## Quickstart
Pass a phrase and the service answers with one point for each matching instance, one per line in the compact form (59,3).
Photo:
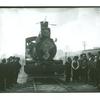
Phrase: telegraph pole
(84,45)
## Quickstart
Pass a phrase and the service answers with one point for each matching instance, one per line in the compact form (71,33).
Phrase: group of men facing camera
(84,68)
(9,69)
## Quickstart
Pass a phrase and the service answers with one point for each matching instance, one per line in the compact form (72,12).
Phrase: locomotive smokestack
(44,25)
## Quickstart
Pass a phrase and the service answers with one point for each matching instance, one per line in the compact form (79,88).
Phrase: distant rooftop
(96,48)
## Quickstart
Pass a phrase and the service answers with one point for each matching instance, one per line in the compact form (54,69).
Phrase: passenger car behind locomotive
(40,51)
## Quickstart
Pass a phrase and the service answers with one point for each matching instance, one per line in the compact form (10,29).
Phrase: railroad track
(49,85)
(64,85)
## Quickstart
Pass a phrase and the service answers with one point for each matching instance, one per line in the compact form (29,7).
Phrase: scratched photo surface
(49,50)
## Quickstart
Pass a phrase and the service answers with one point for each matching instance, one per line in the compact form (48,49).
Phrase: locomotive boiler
(40,53)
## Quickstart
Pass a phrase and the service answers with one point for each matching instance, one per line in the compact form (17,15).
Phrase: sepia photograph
(50,49)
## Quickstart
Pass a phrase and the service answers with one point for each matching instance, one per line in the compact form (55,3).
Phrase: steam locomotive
(40,53)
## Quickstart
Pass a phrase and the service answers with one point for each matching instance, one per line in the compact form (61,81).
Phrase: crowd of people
(84,68)
(9,69)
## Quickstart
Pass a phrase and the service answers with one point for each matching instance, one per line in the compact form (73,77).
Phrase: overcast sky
(73,26)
